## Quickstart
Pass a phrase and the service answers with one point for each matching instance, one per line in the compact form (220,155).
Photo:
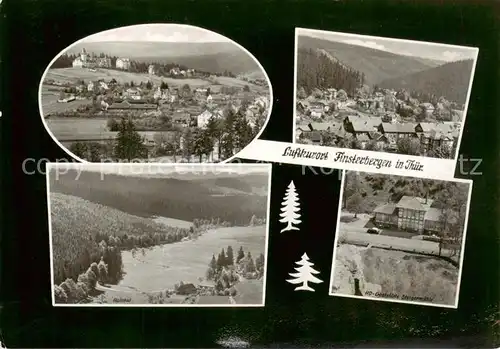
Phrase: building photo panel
(386,95)
(155,92)
(153,235)
(400,239)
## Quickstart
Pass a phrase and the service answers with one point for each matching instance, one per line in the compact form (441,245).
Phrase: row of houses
(413,214)
(386,135)
(85,60)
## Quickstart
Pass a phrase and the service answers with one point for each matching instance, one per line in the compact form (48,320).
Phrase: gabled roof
(410,202)
(362,126)
(385,209)
(319,126)
(398,128)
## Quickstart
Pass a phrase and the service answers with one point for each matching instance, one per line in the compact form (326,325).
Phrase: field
(161,267)
(84,129)
(73,75)
(50,104)
(399,273)
(72,127)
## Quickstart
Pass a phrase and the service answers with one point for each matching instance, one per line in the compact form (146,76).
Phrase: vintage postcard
(155,92)
(400,239)
(371,100)
(158,235)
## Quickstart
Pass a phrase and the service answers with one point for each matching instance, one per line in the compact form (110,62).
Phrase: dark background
(35,31)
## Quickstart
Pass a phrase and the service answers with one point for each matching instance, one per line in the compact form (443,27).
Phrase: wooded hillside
(317,70)
(167,197)
(450,80)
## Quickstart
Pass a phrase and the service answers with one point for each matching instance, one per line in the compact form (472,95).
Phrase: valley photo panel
(365,96)
(400,239)
(158,235)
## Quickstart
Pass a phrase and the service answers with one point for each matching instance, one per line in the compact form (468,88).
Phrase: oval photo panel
(155,92)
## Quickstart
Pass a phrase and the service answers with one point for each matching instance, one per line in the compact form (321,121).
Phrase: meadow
(50,104)
(161,267)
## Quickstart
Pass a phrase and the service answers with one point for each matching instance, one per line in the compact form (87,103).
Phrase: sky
(441,52)
(159,170)
(158,33)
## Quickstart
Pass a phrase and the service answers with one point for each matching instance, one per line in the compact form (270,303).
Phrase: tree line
(317,70)
(136,66)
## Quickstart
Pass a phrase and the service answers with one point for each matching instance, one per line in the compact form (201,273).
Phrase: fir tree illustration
(305,274)
(290,208)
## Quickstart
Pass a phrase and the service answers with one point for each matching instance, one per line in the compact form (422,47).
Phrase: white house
(202,119)
(123,63)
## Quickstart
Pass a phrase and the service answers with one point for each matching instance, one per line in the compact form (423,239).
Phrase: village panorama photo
(155,92)
(380,94)
(400,239)
(158,235)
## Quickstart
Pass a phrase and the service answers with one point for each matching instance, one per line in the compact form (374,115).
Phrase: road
(358,235)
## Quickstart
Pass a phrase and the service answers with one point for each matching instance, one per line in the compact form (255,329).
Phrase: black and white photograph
(158,235)
(155,92)
(400,239)
(379,94)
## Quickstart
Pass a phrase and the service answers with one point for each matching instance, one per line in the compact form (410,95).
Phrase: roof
(398,128)
(319,126)
(127,105)
(362,126)
(385,209)
(213,300)
(411,202)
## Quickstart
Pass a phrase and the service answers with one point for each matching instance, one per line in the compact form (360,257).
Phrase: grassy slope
(377,65)
(192,198)
(450,80)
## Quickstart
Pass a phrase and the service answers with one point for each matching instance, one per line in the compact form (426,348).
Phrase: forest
(155,196)
(450,80)
(317,70)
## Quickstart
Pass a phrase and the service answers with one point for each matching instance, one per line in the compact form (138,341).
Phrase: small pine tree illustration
(305,274)
(290,209)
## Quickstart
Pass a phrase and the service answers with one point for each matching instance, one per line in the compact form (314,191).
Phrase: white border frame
(451,163)
(166,25)
(392,300)
(73,165)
